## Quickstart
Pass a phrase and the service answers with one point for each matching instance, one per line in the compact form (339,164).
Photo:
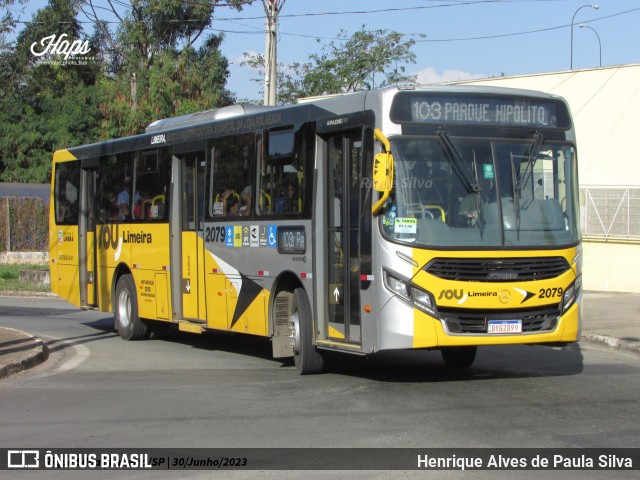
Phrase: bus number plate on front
(504,326)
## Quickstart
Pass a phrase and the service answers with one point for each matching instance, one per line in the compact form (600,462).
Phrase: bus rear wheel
(459,356)
(128,323)
(307,359)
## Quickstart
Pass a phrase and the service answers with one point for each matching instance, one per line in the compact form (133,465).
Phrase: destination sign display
(292,240)
(486,110)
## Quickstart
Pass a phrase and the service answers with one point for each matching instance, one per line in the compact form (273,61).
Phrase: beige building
(605,103)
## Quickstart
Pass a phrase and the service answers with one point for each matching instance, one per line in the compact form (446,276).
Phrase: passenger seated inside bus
(287,203)
(141,211)
(231,203)
(111,210)
(245,199)
(124,199)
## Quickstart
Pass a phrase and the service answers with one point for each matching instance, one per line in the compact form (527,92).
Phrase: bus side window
(152,184)
(66,193)
(229,182)
(282,172)
(115,175)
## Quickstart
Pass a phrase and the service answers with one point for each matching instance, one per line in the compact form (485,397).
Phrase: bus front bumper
(411,328)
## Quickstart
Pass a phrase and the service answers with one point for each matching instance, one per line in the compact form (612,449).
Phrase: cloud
(430,76)
(242,57)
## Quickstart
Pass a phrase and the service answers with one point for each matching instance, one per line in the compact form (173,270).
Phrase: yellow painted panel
(104,279)
(189,281)
(62,156)
(91,280)
(565,332)
(253,319)
(68,283)
(63,246)
(162,296)
(494,295)
(189,327)
(202,300)
(333,333)
(424,332)
(64,254)
(216,301)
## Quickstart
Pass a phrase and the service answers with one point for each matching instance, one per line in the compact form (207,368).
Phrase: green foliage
(173,85)
(171,76)
(10,278)
(27,140)
(7,20)
(47,103)
(349,65)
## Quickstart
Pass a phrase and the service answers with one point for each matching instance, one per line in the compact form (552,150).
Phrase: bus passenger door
(349,237)
(87,239)
(191,188)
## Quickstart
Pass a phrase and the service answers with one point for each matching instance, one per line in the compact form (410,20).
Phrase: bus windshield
(453,192)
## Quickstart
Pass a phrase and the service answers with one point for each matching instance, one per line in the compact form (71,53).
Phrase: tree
(351,65)
(154,47)
(49,103)
(7,22)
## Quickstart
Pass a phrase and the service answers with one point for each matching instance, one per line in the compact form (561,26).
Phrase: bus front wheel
(459,356)
(307,359)
(128,323)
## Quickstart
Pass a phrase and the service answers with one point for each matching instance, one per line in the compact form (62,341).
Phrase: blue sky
(465,38)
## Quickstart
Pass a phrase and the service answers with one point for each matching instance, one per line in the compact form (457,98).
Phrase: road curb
(38,353)
(613,342)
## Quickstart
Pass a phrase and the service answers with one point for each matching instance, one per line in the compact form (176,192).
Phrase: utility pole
(272,9)
(134,92)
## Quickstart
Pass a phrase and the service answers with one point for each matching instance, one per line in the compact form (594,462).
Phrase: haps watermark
(73,52)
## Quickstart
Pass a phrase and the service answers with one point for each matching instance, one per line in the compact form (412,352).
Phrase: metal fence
(24,224)
(610,213)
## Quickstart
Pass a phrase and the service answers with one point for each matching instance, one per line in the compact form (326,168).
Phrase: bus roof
(207,116)
(231,119)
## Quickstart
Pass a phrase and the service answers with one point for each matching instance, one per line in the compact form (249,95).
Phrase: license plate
(504,326)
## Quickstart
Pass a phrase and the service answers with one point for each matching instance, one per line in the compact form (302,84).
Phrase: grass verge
(10,279)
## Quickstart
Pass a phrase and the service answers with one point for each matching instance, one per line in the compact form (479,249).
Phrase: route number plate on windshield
(504,326)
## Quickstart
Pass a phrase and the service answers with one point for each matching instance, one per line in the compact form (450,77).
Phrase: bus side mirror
(382,172)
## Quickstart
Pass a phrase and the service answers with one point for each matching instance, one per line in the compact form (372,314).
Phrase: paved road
(225,391)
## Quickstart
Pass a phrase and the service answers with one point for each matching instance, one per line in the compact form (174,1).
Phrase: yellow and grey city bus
(401,218)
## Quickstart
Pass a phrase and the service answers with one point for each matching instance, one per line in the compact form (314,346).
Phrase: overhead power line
(528,32)
(254,30)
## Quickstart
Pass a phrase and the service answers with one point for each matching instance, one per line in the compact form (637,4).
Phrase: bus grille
(460,321)
(497,269)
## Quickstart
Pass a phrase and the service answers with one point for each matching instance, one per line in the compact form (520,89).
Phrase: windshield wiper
(454,156)
(470,183)
(478,195)
(532,156)
(516,188)
(519,181)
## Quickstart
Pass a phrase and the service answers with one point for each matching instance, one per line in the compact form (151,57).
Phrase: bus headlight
(397,286)
(571,293)
(419,298)
(423,300)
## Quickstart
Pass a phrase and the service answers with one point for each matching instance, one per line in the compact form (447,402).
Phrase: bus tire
(459,357)
(305,355)
(128,323)
(159,330)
